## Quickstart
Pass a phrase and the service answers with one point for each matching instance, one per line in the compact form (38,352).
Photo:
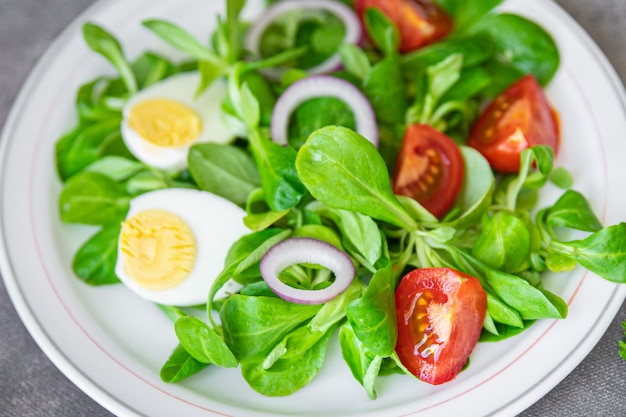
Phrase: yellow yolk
(159,249)
(165,122)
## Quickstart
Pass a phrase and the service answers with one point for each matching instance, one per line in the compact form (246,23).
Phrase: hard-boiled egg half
(163,120)
(173,244)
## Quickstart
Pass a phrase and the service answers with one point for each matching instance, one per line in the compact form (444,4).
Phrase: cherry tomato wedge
(419,22)
(440,315)
(518,118)
(429,169)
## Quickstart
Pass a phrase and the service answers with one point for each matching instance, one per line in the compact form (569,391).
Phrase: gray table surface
(30,385)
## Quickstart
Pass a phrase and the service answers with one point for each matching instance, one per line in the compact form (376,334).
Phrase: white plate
(112,344)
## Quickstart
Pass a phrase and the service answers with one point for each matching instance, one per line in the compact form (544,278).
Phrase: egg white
(216,224)
(182,88)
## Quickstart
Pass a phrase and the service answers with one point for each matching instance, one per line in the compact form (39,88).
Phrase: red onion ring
(323,86)
(354,30)
(295,251)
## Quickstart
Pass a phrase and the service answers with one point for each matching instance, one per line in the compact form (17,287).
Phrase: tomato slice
(429,169)
(440,315)
(419,22)
(520,117)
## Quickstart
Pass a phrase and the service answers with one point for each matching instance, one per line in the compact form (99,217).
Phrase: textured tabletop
(30,385)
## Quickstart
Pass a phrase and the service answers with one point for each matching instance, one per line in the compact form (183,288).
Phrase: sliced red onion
(295,251)
(354,30)
(323,86)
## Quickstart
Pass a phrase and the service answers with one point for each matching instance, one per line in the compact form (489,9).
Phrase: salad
(369,170)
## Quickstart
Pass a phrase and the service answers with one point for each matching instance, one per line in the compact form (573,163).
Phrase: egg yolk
(165,122)
(158,249)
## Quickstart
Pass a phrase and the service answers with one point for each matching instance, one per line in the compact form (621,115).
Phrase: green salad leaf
(343,158)
(104,43)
